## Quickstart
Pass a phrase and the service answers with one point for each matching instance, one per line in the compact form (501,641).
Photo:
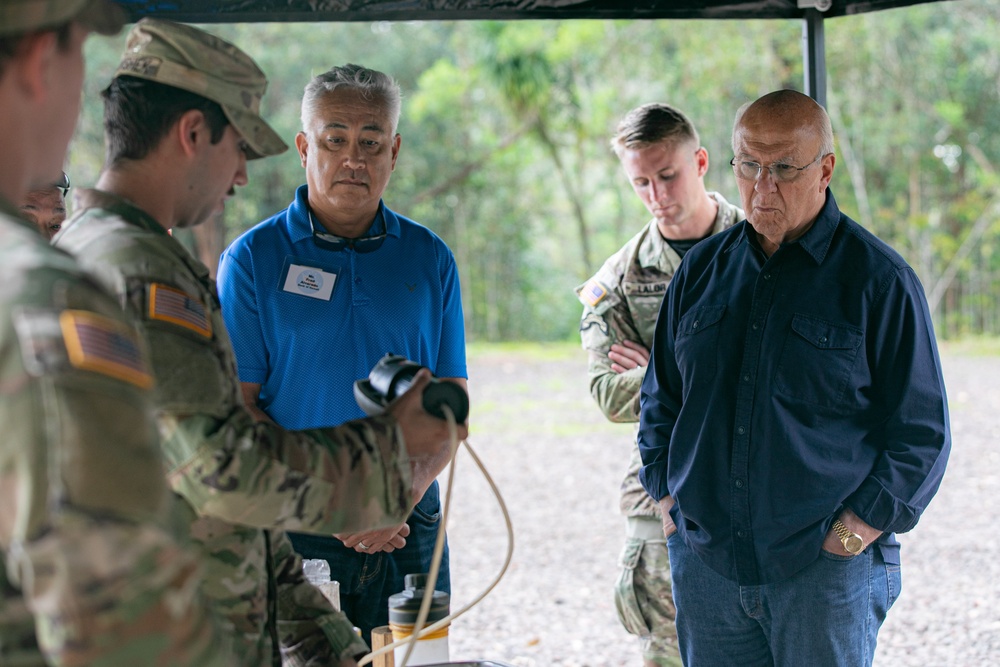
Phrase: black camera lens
(393,376)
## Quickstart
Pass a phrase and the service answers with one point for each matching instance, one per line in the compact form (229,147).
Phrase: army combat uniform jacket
(245,482)
(91,573)
(621,302)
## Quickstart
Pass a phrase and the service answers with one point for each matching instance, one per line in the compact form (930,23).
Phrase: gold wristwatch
(852,541)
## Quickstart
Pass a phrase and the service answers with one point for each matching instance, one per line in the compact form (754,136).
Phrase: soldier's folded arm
(616,394)
(605,321)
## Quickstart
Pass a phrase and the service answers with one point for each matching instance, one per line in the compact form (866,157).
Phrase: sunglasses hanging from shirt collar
(362,244)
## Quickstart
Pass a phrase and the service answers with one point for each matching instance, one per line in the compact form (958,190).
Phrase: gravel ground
(558,463)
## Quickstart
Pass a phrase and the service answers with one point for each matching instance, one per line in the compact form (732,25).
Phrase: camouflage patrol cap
(21,16)
(184,57)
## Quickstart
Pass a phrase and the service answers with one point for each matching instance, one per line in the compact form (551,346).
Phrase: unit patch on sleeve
(169,304)
(593,292)
(102,345)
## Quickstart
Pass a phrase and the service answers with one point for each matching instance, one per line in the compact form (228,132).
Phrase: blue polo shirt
(307,321)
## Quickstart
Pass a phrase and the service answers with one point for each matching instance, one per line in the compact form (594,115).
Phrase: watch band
(853,543)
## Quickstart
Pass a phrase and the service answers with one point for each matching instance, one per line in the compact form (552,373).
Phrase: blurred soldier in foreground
(663,158)
(46,206)
(181,120)
(90,575)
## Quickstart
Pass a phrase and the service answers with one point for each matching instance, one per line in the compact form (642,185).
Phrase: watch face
(854,544)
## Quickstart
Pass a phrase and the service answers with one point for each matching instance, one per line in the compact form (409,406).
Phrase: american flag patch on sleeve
(170,304)
(593,292)
(102,345)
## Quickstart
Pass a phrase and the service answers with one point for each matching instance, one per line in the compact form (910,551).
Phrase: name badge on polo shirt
(309,281)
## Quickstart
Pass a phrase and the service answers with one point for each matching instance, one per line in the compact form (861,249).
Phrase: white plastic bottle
(404,607)
(317,572)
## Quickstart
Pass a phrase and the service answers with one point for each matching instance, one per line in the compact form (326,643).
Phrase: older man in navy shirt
(793,417)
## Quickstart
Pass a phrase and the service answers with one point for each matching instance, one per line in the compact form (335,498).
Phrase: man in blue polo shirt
(314,296)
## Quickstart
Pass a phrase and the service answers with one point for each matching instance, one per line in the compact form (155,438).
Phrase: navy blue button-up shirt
(782,389)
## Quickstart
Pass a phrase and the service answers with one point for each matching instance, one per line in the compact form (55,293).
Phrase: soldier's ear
(701,158)
(192,132)
(31,66)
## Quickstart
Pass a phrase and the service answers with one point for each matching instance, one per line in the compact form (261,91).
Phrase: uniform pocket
(817,360)
(626,602)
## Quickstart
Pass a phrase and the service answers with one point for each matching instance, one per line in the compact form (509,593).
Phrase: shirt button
(767,276)
(695,325)
(755,325)
(741,534)
(741,430)
(739,483)
(746,378)
(822,339)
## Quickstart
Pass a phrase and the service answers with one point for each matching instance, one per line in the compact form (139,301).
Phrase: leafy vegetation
(505,132)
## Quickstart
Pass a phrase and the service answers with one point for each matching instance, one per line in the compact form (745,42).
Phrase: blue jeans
(367,580)
(827,615)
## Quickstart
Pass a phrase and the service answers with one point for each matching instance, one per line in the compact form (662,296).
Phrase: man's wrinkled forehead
(345,108)
(47,196)
(773,140)
(373,126)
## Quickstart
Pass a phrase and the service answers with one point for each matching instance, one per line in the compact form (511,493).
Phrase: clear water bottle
(403,610)
(317,573)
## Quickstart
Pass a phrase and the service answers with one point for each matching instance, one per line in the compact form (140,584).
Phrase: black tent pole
(814,54)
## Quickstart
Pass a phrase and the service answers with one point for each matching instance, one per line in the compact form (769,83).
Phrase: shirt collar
(86,198)
(817,239)
(131,214)
(656,252)
(300,227)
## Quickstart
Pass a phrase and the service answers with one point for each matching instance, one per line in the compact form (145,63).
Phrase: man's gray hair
(372,84)
(652,124)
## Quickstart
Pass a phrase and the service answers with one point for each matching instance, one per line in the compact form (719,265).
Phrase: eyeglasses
(364,244)
(780,172)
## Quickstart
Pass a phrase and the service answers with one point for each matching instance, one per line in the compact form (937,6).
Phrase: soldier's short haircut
(372,84)
(10,44)
(652,124)
(139,113)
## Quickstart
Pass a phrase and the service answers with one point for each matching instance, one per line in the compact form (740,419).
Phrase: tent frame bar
(814,55)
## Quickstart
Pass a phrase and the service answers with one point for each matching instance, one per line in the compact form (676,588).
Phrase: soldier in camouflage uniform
(91,572)
(661,154)
(181,117)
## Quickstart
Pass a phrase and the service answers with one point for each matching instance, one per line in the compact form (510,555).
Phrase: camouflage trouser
(643,594)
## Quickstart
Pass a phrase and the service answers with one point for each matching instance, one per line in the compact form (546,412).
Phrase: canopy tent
(246,11)
(812,13)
